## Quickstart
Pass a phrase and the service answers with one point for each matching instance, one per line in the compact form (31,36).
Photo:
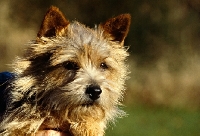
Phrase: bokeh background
(163,92)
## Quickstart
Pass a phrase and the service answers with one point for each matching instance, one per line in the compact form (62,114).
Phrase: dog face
(73,69)
(70,79)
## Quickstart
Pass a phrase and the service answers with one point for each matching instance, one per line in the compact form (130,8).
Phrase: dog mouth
(54,132)
(90,103)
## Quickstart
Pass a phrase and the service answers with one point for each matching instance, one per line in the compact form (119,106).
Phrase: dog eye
(103,65)
(69,65)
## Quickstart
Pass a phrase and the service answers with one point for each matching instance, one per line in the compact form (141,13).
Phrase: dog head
(73,69)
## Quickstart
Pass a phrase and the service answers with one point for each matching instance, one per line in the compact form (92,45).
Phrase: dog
(70,79)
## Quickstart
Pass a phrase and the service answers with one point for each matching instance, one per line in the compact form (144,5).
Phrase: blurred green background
(163,92)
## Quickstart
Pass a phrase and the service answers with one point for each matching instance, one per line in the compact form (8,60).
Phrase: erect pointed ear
(117,28)
(54,23)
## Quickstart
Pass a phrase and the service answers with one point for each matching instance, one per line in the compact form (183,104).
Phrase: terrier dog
(70,79)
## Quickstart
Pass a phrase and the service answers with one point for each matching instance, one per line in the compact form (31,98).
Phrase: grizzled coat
(49,90)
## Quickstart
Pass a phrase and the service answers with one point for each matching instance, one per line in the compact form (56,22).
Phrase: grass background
(157,121)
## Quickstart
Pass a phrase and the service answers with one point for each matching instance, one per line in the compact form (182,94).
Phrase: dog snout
(93,91)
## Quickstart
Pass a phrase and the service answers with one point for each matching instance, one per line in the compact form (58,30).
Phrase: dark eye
(103,65)
(70,65)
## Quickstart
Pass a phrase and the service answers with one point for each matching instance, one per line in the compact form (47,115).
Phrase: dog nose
(93,91)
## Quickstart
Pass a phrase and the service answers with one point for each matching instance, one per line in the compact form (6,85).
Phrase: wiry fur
(46,94)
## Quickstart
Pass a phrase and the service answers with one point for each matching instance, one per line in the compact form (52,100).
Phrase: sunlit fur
(44,94)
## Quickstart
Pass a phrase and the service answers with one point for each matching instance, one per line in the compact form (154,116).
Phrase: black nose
(93,92)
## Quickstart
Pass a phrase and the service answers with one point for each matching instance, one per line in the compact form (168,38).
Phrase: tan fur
(49,90)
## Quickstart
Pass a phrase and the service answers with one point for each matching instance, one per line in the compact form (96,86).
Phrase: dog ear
(117,28)
(54,23)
